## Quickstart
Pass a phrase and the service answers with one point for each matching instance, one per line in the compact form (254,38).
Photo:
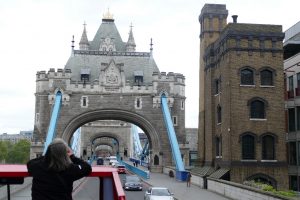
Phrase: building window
(247,77)
(174,118)
(248,147)
(298,152)
(292,153)
(182,104)
(257,109)
(217,86)
(138,80)
(298,117)
(37,118)
(219,114)
(291,83)
(218,147)
(291,119)
(85,75)
(266,77)
(293,183)
(268,149)
(84,101)
(138,103)
(138,77)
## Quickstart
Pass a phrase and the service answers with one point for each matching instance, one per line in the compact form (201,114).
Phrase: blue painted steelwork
(146,148)
(53,121)
(76,142)
(137,171)
(136,139)
(145,151)
(171,133)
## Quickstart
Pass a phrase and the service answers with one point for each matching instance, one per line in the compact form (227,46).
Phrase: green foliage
(18,153)
(269,188)
(289,193)
(3,151)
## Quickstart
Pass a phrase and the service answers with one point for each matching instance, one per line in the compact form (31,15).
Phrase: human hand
(69,151)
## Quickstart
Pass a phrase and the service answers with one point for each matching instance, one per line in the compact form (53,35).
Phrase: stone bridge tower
(106,79)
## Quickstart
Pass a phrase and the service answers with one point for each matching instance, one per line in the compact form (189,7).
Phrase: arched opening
(156,160)
(123,117)
(263,178)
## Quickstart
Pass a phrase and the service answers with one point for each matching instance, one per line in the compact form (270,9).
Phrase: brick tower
(241,123)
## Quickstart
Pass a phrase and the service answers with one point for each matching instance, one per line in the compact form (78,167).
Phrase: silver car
(158,193)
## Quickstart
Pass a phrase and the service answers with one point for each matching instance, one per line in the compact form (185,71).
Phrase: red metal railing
(14,171)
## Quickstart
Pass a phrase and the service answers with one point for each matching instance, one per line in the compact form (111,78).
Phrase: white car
(158,193)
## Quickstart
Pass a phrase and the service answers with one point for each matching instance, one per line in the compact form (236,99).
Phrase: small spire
(130,46)
(84,42)
(151,45)
(72,46)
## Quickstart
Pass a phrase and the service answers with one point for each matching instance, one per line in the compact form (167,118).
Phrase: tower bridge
(106,85)
(106,79)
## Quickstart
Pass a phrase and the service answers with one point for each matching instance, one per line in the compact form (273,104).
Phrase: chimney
(234,17)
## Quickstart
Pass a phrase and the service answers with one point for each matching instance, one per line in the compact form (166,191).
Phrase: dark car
(100,161)
(132,182)
(121,169)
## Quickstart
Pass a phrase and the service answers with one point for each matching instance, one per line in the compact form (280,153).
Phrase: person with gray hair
(54,174)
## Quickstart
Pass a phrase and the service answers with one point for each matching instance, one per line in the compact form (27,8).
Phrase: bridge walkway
(179,188)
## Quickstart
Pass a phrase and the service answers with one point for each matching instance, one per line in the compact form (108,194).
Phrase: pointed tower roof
(130,46)
(84,43)
(108,30)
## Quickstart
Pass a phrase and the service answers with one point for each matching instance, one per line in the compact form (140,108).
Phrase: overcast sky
(36,35)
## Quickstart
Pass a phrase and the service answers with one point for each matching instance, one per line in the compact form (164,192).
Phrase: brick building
(241,124)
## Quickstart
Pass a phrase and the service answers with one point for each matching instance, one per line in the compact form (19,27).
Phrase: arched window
(248,147)
(219,114)
(156,160)
(263,178)
(247,77)
(257,109)
(218,146)
(266,77)
(268,149)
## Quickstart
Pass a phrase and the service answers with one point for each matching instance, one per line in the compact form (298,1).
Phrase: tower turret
(212,21)
(130,46)
(84,43)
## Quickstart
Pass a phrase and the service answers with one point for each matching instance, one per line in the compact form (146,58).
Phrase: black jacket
(50,185)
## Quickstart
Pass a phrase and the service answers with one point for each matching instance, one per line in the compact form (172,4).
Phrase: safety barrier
(137,171)
(110,185)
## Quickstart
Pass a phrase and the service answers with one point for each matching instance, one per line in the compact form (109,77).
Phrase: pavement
(179,188)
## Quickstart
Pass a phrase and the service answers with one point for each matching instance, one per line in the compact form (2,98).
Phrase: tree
(19,153)
(3,151)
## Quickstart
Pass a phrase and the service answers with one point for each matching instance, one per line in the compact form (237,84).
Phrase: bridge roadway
(87,189)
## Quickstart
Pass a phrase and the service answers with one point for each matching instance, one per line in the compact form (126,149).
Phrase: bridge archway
(112,136)
(114,114)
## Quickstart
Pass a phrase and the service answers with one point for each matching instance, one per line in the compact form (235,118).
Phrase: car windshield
(160,192)
(132,179)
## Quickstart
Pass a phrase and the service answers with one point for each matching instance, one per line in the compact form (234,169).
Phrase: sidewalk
(179,188)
